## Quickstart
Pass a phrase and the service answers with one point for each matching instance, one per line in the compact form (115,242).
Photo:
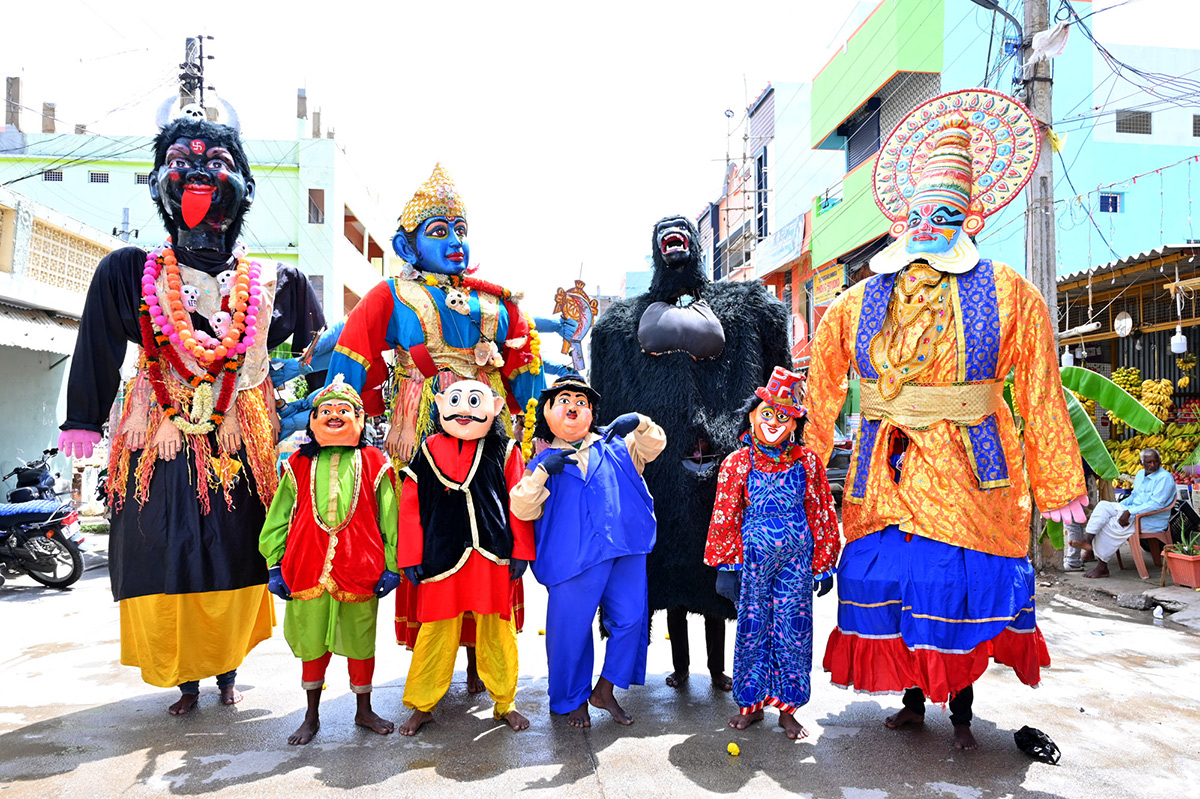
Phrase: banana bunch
(1156,396)
(1175,443)
(1184,381)
(1129,379)
(1089,405)
(1186,362)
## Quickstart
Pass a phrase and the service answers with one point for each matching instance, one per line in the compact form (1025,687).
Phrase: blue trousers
(618,586)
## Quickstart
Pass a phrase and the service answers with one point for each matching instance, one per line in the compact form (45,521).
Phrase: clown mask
(337,423)
(467,409)
(569,415)
(770,427)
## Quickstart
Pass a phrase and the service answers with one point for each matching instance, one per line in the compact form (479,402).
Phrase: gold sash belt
(919,407)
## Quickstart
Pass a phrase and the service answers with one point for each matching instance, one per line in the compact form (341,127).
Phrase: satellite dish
(1123,324)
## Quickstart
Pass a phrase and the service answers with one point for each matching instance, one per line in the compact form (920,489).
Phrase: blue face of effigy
(441,245)
(933,228)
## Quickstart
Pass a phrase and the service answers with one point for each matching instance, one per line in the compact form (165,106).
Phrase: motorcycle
(39,534)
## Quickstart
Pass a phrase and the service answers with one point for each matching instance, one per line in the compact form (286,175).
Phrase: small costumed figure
(462,550)
(935,579)
(192,460)
(330,540)
(442,325)
(774,541)
(595,525)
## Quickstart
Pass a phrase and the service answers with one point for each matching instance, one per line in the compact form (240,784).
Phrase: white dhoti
(1106,531)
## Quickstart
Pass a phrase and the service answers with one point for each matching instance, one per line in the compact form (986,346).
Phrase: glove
(516,568)
(557,460)
(1072,511)
(414,574)
(389,581)
(276,585)
(823,587)
(622,426)
(77,443)
(729,585)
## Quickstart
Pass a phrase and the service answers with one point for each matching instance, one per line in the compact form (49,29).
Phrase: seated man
(1112,522)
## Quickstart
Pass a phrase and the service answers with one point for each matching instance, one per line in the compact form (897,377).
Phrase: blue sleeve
(527,386)
(1158,491)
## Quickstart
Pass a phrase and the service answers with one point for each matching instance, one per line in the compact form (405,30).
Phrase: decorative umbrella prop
(575,304)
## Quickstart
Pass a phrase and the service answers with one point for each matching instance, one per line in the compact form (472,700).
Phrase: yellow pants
(437,647)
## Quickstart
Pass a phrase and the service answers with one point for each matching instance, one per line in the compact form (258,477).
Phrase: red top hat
(781,392)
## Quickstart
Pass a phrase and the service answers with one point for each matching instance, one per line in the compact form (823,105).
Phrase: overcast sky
(569,127)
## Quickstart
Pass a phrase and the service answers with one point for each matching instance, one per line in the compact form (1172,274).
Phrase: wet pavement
(1121,702)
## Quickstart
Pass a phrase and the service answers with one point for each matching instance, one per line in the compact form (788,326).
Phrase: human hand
(135,438)
(823,587)
(276,584)
(1072,511)
(168,440)
(389,581)
(229,434)
(77,443)
(401,442)
(556,461)
(622,426)
(516,568)
(413,574)
(1124,518)
(729,585)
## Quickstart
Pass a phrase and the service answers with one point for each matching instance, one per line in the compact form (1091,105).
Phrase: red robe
(480,586)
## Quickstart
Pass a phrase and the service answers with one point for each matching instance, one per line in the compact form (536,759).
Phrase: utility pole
(1040,266)
(123,232)
(191,79)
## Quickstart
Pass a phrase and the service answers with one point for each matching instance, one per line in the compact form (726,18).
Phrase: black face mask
(201,190)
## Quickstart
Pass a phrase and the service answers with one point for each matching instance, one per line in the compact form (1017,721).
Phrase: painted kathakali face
(337,423)
(467,409)
(934,227)
(199,186)
(769,426)
(569,415)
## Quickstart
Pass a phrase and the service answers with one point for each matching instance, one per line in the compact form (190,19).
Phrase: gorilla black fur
(223,135)
(696,402)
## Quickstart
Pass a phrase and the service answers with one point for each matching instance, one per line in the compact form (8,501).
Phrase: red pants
(361,671)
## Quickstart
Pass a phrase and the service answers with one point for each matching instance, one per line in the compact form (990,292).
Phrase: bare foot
(516,721)
(792,728)
(230,695)
(677,678)
(904,718)
(722,681)
(1084,545)
(1099,570)
(602,698)
(579,717)
(474,684)
(372,721)
(306,731)
(743,720)
(186,702)
(963,739)
(414,723)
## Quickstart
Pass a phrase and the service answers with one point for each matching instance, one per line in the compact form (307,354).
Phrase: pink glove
(1072,511)
(77,443)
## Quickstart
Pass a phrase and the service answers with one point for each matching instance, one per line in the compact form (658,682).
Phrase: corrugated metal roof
(1131,260)
(37,330)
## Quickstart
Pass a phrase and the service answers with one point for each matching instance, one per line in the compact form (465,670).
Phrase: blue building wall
(1155,209)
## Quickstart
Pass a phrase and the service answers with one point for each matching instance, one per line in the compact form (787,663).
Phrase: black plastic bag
(1037,744)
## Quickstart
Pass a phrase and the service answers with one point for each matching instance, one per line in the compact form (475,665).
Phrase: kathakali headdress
(967,153)
(436,197)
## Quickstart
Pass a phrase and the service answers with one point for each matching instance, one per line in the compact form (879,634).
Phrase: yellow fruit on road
(733,750)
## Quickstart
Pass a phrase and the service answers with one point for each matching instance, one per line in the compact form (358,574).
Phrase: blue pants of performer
(618,586)
(772,659)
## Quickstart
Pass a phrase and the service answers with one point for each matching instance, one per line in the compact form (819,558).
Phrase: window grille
(142,179)
(52,176)
(1110,202)
(1196,125)
(97,177)
(1134,122)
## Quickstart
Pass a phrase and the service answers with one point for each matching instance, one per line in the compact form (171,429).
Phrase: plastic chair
(1158,541)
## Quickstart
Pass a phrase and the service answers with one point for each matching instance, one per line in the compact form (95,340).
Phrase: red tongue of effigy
(196,202)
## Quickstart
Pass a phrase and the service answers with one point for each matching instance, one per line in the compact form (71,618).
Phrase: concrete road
(1121,701)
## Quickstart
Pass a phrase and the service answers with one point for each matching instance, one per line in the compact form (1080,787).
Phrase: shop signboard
(827,283)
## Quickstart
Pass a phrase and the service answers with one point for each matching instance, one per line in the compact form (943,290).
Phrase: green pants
(313,627)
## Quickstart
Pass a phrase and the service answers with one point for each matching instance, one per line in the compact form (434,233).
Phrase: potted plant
(1183,560)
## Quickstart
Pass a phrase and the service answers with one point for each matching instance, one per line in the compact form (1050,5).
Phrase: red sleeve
(821,514)
(725,530)
(516,357)
(410,547)
(364,339)
(514,470)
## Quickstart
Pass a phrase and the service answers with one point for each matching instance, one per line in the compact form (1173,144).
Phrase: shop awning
(37,330)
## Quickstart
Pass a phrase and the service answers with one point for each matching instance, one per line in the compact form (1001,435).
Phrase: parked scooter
(39,534)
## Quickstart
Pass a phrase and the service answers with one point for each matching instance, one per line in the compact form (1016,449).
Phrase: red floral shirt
(725,531)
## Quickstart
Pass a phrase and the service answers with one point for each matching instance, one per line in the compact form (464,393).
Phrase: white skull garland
(225,281)
(458,301)
(220,322)
(190,295)
(192,111)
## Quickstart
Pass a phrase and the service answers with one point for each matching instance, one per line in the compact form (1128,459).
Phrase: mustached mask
(467,409)
(337,418)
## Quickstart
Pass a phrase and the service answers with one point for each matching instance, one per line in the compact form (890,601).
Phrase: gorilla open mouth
(673,242)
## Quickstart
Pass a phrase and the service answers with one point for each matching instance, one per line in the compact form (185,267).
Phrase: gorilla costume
(687,353)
